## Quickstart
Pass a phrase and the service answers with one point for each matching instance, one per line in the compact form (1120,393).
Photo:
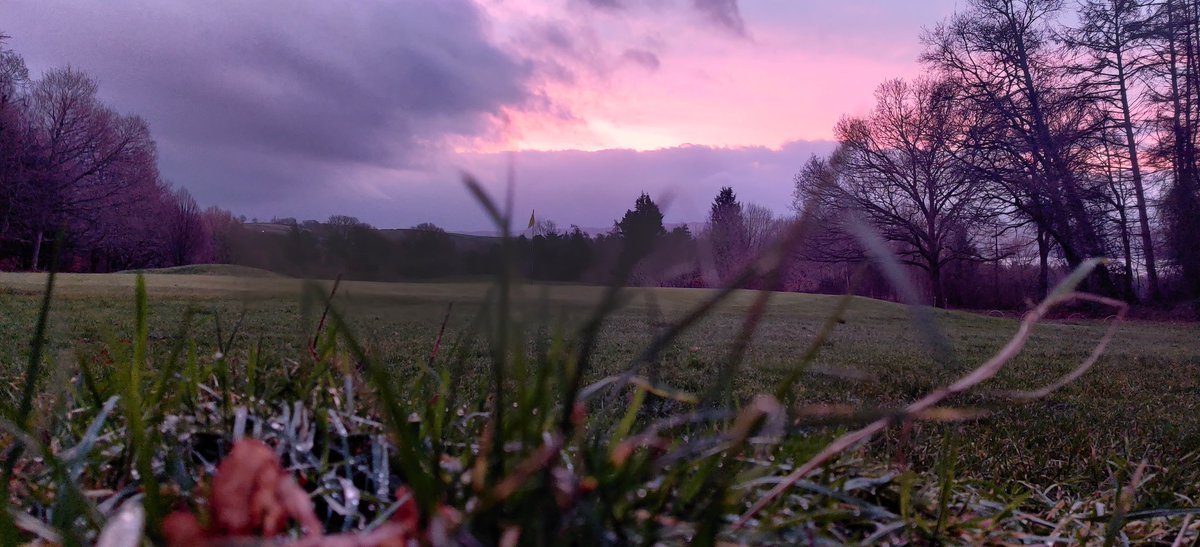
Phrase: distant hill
(230,270)
(268,227)
(462,242)
(593,231)
(471,240)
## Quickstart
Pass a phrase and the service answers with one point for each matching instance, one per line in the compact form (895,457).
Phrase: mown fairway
(1139,402)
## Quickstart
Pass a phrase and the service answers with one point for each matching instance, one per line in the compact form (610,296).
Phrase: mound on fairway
(210,269)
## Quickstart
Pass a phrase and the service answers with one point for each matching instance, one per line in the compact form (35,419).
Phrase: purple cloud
(642,57)
(251,85)
(592,189)
(724,13)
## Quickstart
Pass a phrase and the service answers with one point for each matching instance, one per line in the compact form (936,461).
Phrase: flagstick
(532,245)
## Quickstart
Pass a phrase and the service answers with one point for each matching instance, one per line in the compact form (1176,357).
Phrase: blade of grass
(1122,505)
(420,480)
(312,345)
(167,374)
(877,249)
(8,530)
(783,391)
(946,468)
(141,443)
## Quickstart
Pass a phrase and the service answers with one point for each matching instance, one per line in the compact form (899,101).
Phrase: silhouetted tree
(727,235)
(427,251)
(677,261)
(302,252)
(337,241)
(762,227)
(555,256)
(815,193)
(1112,35)
(1175,89)
(14,137)
(188,238)
(1028,123)
(640,229)
(899,170)
(369,255)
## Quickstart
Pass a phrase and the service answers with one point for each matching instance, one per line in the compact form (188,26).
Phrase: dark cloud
(606,4)
(282,83)
(724,13)
(642,57)
(557,36)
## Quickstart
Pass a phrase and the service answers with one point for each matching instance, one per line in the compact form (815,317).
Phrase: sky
(373,108)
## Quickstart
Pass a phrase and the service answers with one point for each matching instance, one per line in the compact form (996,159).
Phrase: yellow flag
(531,221)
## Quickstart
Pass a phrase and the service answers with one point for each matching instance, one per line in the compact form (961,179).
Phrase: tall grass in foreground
(534,450)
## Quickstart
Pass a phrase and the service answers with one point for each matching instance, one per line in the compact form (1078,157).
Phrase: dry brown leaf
(252,496)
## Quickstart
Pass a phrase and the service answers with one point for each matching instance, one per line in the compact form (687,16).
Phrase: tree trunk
(1043,264)
(1078,240)
(1181,79)
(5,223)
(935,283)
(996,271)
(37,250)
(1139,192)
(1127,284)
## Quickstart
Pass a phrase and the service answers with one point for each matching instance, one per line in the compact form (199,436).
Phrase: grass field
(1139,402)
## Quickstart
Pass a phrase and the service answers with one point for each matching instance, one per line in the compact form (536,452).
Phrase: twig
(312,346)
(437,344)
(1182,531)
(984,372)
(1083,367)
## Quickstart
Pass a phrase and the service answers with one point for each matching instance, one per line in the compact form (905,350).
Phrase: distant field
(1140,401)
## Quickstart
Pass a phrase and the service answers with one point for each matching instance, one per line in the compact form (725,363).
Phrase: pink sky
(791,76)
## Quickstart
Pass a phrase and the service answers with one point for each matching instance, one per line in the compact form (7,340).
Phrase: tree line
(1038,130)
(71,165)
(639,245)
(638,250)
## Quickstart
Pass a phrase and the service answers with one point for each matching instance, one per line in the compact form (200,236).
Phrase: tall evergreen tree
(727,233)
(640,229)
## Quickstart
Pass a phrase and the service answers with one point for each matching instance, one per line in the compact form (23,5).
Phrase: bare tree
(14,75)
(14,81)
(186,233)
(1175,89)
(762,227)
(1112,36)
(1031,123)
(91,157)
(898,170)
(816,193)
